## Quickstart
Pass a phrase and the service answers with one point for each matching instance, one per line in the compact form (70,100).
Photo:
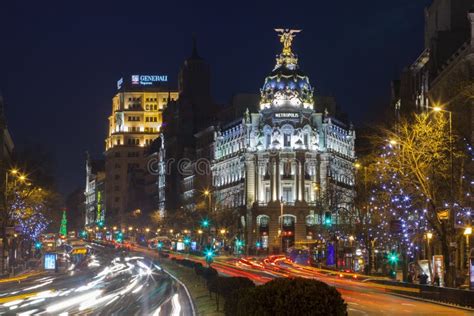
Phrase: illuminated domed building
(288,169)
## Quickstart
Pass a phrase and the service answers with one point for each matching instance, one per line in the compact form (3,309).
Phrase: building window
(117,199)
(117,177)
(305,140)
(268,195)
(116,188)
(117,155)
(287,140)
(268,140)
(287,194)
(117,166)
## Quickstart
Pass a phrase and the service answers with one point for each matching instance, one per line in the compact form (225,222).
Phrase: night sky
(59,61)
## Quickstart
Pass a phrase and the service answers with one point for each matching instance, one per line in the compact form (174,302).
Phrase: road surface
(362,298)
(109,282)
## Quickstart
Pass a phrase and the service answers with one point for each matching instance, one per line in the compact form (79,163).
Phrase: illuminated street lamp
(223,231)
(393,142)
(467,233)
(130,228)
(208,194)
(200,231)
(147,230)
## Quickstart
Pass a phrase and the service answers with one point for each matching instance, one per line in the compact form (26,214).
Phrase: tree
(419,181)
(287,297)
(63,228)
(24,209)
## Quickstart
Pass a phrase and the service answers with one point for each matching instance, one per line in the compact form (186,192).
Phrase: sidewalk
(21,277)
(196,286)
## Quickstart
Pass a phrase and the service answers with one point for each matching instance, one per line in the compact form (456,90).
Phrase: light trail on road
(110,282)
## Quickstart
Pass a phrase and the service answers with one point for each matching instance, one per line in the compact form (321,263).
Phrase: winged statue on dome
(286,38)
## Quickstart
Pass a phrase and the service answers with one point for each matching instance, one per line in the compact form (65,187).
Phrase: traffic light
(392,257)
(239,243)
(209,254)
(38,245)
(83,234)
(327,219)
(100,224)
(205,223)
(119,237)
(258,244)
(159,245)
(187,241)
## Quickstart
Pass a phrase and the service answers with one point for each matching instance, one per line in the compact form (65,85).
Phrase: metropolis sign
(146,80)
(287,115)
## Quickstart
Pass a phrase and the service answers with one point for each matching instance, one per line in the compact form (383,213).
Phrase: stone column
(297,179)
(278,179)
(302,175)
(323,176)
(300,226)
(272,179)
(250,180)
(257,180)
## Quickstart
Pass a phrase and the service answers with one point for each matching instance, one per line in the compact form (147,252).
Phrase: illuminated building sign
(147,80)
(287,115)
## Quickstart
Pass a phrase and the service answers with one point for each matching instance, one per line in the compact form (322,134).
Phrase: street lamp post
(451,219)
(373,255)
(467,233)
(209,195)
(429,236)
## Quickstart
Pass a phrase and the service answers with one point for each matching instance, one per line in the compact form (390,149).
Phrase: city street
(109,282)
(363,298)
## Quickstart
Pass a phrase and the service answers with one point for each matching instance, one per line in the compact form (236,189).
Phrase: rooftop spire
(194,54)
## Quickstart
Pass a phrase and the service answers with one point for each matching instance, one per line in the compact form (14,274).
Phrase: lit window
(287,140)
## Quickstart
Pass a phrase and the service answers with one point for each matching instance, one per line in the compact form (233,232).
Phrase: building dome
(286,85)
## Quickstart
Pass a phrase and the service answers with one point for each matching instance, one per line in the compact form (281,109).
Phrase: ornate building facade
(286,167)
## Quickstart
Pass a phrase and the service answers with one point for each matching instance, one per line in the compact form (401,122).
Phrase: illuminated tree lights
(412,185)
(403,222)
(26,210)
(63,228)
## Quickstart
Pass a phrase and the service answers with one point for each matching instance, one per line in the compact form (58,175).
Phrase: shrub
(209,273)
(287,297)
(226,286)
(199,270)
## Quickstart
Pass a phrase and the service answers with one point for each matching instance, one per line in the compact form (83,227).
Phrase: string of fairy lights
(28,216)
(398,223)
